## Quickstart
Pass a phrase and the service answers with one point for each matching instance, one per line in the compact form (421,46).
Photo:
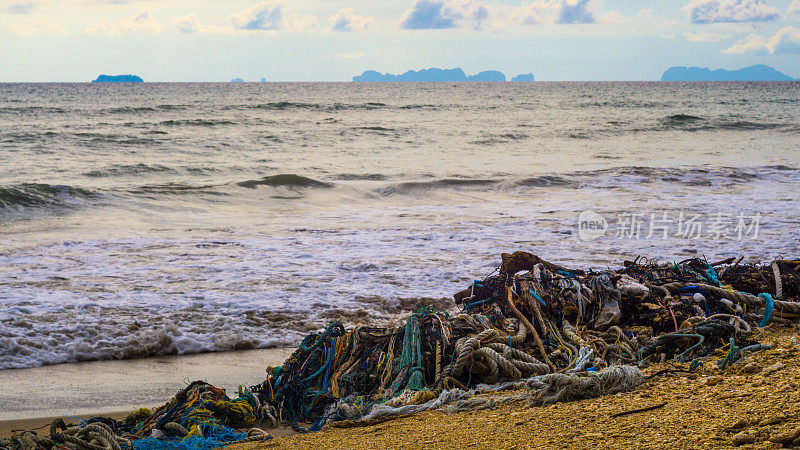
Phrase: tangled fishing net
(547,332)
(200,416)
(534,332)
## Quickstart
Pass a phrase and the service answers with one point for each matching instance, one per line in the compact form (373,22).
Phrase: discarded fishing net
(200,416)
(554,333)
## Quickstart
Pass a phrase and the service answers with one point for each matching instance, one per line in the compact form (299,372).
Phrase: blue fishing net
(191,443)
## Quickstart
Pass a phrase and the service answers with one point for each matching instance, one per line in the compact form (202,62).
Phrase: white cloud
(262,16)
(188,24)
(39,27)
(269,16)
(438,14)
(345,20)
(721,11)
(794,8)
(18,7)
(560,12)
(704,37)
(575,11)
(476,14)
(785,41)
(143,22)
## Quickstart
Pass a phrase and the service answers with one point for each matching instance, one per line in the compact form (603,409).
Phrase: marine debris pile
(540,331)
(553,333)
(200,416)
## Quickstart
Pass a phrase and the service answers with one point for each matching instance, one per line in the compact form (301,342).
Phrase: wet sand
(33,397)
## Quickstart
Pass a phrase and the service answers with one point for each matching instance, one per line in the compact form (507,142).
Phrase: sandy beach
(33,397)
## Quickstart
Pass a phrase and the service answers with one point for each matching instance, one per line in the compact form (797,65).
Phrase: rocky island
(757,72)
(118,79)
(434,74)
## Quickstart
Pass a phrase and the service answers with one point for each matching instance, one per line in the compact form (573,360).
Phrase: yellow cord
(569,352)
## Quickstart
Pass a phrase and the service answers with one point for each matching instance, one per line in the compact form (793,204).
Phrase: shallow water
(155,219)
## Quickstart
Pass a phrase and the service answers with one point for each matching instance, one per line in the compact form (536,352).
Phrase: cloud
(39,27)
(721,11)
(262,16)
(575,11)
(438,14)
(27,6)
(704,37)
(427,15)
(18,7)
(188,24)
(476,14)
(560,12)
(786,41)
(269,16)
(143,22)
(794,8)
(345,20)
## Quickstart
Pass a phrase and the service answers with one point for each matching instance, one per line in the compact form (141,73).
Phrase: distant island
(523,77)
(435,74)
(118,79)
(758,72)
(237,80)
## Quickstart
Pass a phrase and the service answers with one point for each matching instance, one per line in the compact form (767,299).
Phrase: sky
(332,40)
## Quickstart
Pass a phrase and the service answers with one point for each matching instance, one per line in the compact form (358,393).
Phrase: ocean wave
(196,122)
(686,122)
(176,189)
(375,128)
(625,104)
(284,105)
(360,177)
(39,195)
(624,176)
(413,187)
(285,180)
(92,332)
(32,110)
(117,139)
(545,180)
(682,119)
(499,138)
(117,170)
(142,109)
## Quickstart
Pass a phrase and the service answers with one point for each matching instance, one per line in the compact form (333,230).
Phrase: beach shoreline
(109,388)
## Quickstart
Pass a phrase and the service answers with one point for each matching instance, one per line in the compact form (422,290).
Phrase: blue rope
(769,304)
(712,275)
(537,297)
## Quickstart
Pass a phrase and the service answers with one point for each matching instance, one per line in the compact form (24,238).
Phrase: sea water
(161,219)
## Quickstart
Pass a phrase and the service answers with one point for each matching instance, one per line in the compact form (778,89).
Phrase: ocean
(165,219)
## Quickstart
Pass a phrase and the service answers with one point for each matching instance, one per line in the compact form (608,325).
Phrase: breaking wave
(686,122)
(38,194)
